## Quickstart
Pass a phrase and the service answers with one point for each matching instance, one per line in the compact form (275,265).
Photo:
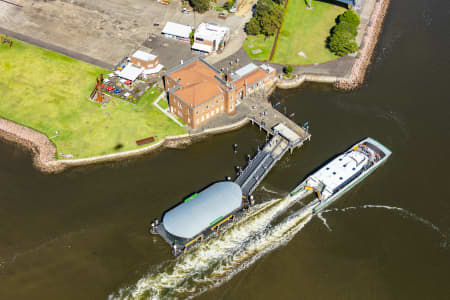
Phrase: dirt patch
(107,30)
(245,7)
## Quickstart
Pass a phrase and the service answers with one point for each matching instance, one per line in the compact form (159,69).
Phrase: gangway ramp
(260,165)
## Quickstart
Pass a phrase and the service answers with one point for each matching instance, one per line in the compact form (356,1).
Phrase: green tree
(253,26)
(200,5)
(342,43)
(351,17)
(191,37)
(267,18)
(288,69)
(345,27)
(228,5)
(263,7)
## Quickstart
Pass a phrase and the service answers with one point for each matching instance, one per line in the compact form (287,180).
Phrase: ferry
(343,172)
(200,215)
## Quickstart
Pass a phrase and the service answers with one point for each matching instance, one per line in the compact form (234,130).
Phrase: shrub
(191,37)
(228,5)
(345,27)
(288,69)
(267,18)
(200,5)
(253,27)
(342,43)
(350,17)
(342,38)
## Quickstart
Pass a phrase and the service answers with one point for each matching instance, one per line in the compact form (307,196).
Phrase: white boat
(343,172)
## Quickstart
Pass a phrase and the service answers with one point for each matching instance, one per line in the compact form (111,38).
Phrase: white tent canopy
(130,72)
(177,30)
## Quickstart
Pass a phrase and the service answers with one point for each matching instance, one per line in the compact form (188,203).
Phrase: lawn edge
(44,152)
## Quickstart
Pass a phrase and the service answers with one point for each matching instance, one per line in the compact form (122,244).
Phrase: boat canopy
(203,210)
(340,169)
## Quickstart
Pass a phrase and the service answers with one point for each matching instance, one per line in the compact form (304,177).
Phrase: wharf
(284,135)
(267,118)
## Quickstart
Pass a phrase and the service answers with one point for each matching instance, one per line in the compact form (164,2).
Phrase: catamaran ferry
(343,172)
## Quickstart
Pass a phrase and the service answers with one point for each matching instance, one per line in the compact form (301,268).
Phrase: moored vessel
(344,171)
(201,215)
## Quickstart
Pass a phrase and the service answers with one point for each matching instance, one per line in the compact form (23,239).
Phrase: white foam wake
(219,259)
(403,211)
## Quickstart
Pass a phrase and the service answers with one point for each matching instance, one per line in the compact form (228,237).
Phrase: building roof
(176,29)
(247,69)
(144,56)
(130,72)
(211,31)
(197,213)
(202,47)
(197,82)
(154,70)
(251,78)
(267,68)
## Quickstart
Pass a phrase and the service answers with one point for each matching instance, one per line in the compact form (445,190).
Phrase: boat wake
(217,260)
(444,238)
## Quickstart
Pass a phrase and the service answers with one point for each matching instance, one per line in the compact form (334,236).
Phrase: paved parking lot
(106,30)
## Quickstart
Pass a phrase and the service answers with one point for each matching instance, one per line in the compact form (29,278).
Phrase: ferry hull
(323,203)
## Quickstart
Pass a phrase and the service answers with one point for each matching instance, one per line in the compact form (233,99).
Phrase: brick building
(144,59)
(198,92)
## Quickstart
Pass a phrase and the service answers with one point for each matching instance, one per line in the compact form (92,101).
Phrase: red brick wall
(145,64)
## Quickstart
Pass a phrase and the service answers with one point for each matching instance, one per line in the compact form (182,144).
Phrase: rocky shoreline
(44,151)
(369,41)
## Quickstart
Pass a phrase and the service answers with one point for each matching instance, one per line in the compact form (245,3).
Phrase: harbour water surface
(83,234)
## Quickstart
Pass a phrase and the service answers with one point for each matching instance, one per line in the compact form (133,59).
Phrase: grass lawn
(163,103)
(259,42)
(306,30)
(47,91)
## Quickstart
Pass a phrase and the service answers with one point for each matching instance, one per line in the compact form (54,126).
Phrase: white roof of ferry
(340,169)
(191,217)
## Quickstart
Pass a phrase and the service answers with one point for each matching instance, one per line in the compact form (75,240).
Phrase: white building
(210,37)
(177,31)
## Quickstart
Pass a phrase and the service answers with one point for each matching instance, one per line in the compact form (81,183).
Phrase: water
(83,234)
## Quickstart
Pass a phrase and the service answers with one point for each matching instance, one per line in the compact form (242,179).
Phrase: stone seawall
(369,41)
(44,151)
(299,79)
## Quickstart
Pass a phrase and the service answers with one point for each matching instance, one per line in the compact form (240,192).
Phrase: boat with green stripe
(200,215)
